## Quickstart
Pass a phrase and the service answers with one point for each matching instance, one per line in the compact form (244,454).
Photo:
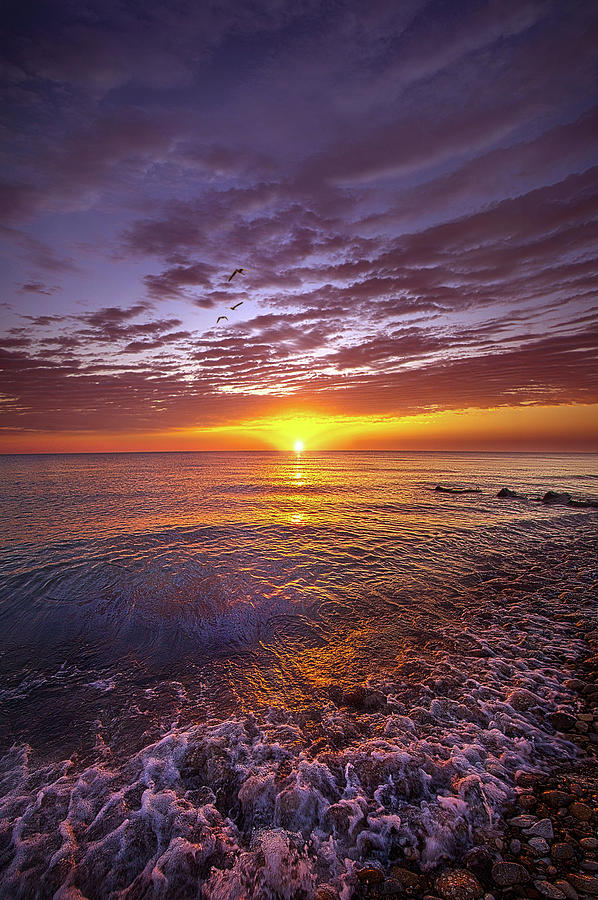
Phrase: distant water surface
(267,624)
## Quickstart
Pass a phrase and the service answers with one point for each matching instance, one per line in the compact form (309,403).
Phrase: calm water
(311,656)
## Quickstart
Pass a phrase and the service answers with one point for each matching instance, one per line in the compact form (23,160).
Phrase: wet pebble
(527,779)
(585,884)
(370,875)
(567,890)
(478,860)
(542,829)
(581,811)
(549,890)
(523,821)
(589,843)
(539,846)
(509,873)
(562,852)
(326,892)
(556,799)
(459,885)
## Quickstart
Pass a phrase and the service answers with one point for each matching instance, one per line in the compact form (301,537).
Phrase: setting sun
(298,446)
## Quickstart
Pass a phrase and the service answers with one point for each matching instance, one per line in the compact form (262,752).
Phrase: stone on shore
(585,884)
(557,799)
(459,885)
(589,843)
(542,829)
(509,873)
(549,890)
(539,845)
(562,852)
(581,811)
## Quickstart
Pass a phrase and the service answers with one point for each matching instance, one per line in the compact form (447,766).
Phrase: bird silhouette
(236,272)
(237,305)
(221,317)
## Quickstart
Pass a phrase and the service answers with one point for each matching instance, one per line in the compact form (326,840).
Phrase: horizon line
(294,452)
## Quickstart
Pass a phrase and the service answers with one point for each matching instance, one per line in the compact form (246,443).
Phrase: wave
(159,605)
(418,762)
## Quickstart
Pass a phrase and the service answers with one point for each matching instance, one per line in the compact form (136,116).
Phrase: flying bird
(221,317)
(236,272)
(236,306)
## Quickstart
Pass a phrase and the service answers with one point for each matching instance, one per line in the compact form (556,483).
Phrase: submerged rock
(507,492)
(411,882)
(457,490)
(589,843)
(370,875)
(478,859)
(555,497)
(326,892)
(562,721)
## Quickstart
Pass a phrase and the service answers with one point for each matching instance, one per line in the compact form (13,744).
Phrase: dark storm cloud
(412,188)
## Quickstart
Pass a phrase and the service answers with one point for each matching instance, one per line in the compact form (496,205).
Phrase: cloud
(37,252)
(37,287)
(172,282)
(170,338)
(114,316)
(42,321)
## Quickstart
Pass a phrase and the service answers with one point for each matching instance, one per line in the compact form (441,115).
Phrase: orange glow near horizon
(551,428)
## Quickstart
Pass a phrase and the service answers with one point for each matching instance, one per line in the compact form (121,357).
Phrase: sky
(411,188)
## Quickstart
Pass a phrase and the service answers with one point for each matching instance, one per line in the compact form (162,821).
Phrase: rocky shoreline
(549,845)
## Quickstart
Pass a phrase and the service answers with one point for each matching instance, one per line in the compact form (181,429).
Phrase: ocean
(234,675)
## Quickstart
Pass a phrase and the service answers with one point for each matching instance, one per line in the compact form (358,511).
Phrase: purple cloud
(412,189)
